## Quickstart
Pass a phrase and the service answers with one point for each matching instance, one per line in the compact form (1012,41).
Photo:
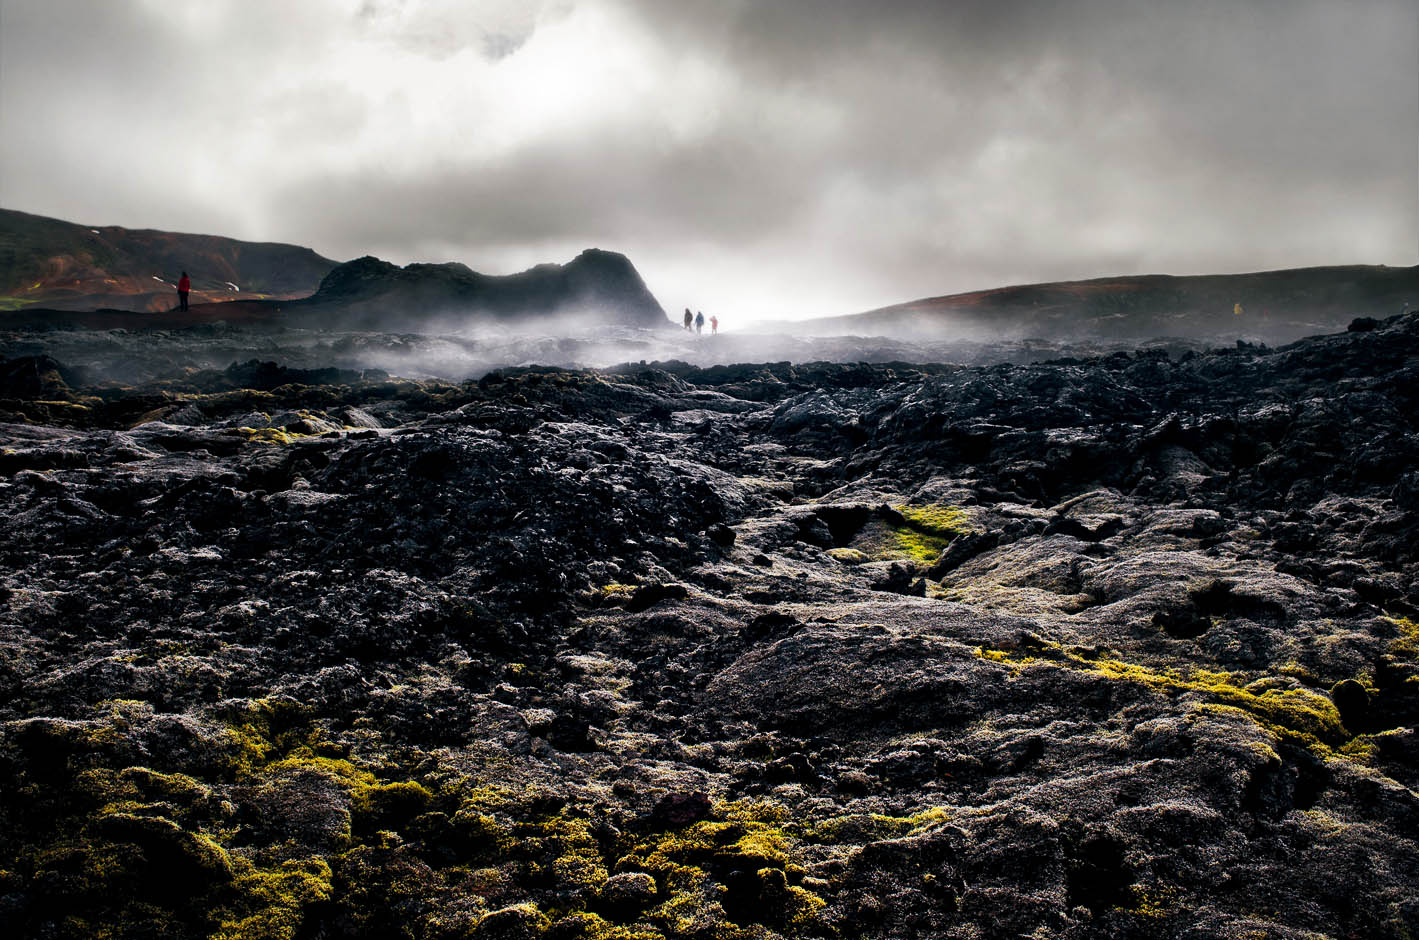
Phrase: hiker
(183,286)
(714,326)
(688,318)
(700,322)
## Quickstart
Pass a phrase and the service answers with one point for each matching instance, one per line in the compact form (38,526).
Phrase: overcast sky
(754,158)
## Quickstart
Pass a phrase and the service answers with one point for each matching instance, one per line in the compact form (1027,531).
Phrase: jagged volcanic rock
(1120,646)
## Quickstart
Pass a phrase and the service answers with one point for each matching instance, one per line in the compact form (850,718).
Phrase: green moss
(1302,716)
(126,873)
(689,864)
(519,920)
(140,851)
(147,851)
(389,805)
(857,828)
(271,435)
(563,848)
(1298,672)
(945,521)
(929,529)
(752,811)
(272,901)
(481,835)
(584,925)
(154,786)
(1408,642)
(356,779)
(265,731)
(913,533)
(1150,904)
(385,890)
(1361,749)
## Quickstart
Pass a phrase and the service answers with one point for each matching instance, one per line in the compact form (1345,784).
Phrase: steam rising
(132,358)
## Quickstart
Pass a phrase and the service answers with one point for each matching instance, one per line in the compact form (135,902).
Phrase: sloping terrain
(1112,647)
(63,266)
(1276,307)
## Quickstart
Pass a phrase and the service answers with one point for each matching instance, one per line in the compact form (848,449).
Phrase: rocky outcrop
(596,287)
(1110,647)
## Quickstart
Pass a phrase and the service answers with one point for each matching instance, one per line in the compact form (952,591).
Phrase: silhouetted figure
(700,322)
(714,326)
(183,286)
(689,318)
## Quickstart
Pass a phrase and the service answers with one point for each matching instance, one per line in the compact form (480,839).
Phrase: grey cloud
(496,29)
(871,152)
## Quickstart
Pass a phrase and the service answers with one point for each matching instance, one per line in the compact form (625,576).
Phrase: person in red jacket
(183,286)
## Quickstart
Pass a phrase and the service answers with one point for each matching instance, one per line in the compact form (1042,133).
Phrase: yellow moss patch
(741,836)
(856,828)
(921,535)
(585,925)
(271,435)
(1360,749)
(1299,673)
(493,796)
(946,521)
(1408,642)
(1014,661)
(1150,903)
(615,592)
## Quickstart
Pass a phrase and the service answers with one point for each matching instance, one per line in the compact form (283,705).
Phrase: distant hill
(63,266)
(1277,306)
(367,293)
(54,272)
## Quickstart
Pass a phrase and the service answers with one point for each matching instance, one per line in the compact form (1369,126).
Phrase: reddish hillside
(62,266)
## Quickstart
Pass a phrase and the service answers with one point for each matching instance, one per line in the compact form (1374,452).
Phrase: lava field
(1111,646)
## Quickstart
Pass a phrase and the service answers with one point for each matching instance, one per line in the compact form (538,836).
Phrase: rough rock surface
(1109,647)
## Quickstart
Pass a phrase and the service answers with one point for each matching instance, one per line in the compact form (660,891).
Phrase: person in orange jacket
(183,286)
